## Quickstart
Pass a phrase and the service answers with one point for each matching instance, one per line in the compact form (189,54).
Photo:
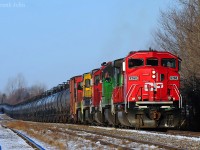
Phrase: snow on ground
(10,141)
(78,140)
(152,133)
(121,142)
(42,144)
(71,142)
(163,135)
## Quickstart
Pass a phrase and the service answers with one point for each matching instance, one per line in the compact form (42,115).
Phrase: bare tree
(37,89)
(16,89)
(179,33)
(17,82)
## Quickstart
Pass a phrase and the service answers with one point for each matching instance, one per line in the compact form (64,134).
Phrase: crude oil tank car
(140,90)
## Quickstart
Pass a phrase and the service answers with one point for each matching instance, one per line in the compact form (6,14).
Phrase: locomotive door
(108,82)
(118,93)
(87,89)
(97,90)
(162,82)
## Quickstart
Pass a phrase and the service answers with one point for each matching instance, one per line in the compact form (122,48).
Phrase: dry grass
(58,135)
(38,131)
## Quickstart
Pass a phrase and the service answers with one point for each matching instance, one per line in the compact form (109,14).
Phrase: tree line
(17,90)
(179,32)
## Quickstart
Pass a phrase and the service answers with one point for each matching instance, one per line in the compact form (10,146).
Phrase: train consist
(140,90)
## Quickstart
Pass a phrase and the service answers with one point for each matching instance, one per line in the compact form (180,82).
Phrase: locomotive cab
(87,96)
(152,77)
(76,97)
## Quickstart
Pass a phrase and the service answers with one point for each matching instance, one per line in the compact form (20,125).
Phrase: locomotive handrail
(118,89)
(129,96)
(117,93)
(139,91)
(179,95)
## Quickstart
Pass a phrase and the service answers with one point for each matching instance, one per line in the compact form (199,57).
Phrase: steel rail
(160,145)
(31,142)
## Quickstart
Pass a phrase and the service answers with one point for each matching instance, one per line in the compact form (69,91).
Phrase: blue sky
(49,41)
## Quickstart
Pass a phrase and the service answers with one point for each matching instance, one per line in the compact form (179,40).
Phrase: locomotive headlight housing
(153,76)
(139,98)
(169,98)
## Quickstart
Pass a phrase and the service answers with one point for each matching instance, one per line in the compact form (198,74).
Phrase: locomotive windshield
(152,62)
(87,83)
(79,87)
(168,62)
(135,63)
(96,79)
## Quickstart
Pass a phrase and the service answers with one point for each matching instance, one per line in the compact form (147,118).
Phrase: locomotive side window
(80,86)
(87,83)
(97,79)
(152,62)
(108,73)
(135,63)
(168,62)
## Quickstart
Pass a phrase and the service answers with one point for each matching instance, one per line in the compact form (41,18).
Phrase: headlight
(139,98)
(169,98)
(153,72)
(153,76)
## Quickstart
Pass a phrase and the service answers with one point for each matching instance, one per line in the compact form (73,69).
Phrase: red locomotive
(140,90)
(151,90)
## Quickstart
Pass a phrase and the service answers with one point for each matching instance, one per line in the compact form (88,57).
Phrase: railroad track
(95,138)
(184,133)
(108,138)
(100,137)
(28,140)
(161,140)
(130,139)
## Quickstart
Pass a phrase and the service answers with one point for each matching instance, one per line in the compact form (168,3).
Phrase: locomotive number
(173,78)
(133,78)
